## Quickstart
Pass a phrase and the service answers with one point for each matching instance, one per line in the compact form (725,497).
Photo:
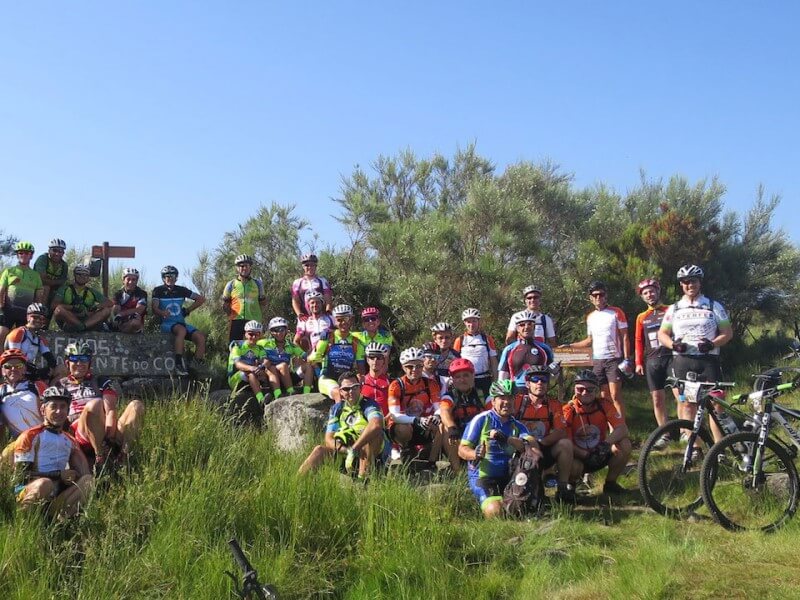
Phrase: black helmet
(597,285)
(169,270)
(587,376)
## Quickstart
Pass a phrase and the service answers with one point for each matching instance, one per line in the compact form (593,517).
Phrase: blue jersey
(346,416)
(171,300)
(495,463)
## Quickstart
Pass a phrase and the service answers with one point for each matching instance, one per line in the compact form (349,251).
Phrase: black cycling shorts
(14,317)
(706,366)
(419,435)
(656,371)
(607,370)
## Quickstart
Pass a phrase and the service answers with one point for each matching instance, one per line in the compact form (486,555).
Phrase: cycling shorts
(656,371)
(236,330)
(706,366)
(170,328)
(83,442)
(606,370)
(548,460)
(419,435)
(598,467)
(486,489)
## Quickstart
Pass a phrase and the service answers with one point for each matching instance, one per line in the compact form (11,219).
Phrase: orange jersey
(647,325)
(418,399)
(588,427)
(540,419)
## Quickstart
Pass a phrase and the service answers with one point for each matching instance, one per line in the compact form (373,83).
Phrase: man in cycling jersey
(339,353)
(442,333)
(373,331)
(652,358)
(543,330)
(53,269)
(310,281)
(248,365)
(50,469)
(413,408)
(607,335)
(130,304)
(478,347)
(598,433)
(79,307)
(29,340)
(288,358)
(243,298)
(19,287)
(522,353)
(376,381)
(430,364)
(168,305)
(695,328)
(20,398)
(315,326)
(354,431)
(489,442)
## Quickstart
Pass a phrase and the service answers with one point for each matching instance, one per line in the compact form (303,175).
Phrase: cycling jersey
(692,322)
(587,427)
(539,418)
(244,297)
(478,349)
(44,449)
(124,300)
(604,327)
(377,390)
(443,363)
(279,356)
(495,462)
(80,301)
(338,355)
(20,407)
(317,328)
(543,327)
(171,299)
(464,405)
(518,356)
(34,346)
(409,400)
(301,285)
(21,286)
(647,325)
(53,270)
(382,336)
(343,415)
(248,354)
(84,391)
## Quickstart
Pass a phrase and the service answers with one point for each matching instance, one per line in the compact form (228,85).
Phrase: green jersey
(21,286)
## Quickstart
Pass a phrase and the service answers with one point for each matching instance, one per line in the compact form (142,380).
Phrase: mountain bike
(777,375)
(749,479)
(671,458)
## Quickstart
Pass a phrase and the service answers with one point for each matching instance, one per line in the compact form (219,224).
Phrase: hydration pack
(524,493)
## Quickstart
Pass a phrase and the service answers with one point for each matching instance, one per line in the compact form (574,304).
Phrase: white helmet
(81,270)
(375,348)
(313,295)
(342,310)
(530,289)
(130,272)
(687,271)
(57,243)
(254,326)
(523,316)
(410,355)
(441,327)
(470,313)
(276,322)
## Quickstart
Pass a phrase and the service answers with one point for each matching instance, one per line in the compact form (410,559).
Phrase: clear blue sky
(164,124)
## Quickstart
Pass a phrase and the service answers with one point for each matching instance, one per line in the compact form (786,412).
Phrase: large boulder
(295,420)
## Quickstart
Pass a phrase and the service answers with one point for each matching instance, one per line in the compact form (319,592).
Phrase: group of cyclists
(459,395)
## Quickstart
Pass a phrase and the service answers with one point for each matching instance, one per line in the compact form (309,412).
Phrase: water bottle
(727,423)
(551,481)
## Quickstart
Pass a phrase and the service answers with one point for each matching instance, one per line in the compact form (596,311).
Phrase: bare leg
(92,424)
(315,459)
(69,501)
(130,423)
(615,392)
(199,339)
(621,451)
(562,452)
(37,491)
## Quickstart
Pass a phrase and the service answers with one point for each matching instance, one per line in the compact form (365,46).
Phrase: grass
(161,532)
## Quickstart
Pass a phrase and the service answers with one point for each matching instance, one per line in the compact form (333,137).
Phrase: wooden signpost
(105,252)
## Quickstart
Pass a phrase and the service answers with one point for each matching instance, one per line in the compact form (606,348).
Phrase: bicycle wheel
(737,502)
(669,486)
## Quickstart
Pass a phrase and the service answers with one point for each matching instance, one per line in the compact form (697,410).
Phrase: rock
(149,387)
(219,398)
(297,420)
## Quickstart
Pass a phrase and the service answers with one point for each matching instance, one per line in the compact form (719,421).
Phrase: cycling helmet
(130,272)
(376,348)
(470,313)
(254,326)
(597,286)
(309,258)
(441,327)
(461,364)
(370,311)
(534,370)
(276,322)
(646,283)
(169,270)
(687,271)
(37,308)
(587,376)
(411,355)
(55,392)
(524,316)
(24,247)
(13,354)
(81,270)
(83,349)
(430,349)
(504,387)
(530,289)
(342,310)
(58,243)
(313,295)
(243,259)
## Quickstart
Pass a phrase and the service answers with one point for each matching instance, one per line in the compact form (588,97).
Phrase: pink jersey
(316,328)
(302,285)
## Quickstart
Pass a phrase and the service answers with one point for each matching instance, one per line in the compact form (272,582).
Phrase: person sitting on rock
(288,358)
(130,304)
(78,307)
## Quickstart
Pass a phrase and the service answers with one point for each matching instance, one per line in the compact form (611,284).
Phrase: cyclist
(130,304)
(19,286)
(522,353)
(430,364)
(544,330)
(310,281)
(78,307)
(695,328)
(544,419)
(29,340)
(373,330)
(354,429)
(168,305)
(413,407)
(339,353)
(285,355)
(477,346)
(652,358)
(93,411)
(316,325)
(20,398)
(243,298)
(50,469)
(376,381)
(53,269)
(598,433)
(607,335)
(248,364)
(443,337)
(489,442)
(462,401)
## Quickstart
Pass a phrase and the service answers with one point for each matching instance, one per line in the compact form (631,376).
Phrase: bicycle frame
(772,411)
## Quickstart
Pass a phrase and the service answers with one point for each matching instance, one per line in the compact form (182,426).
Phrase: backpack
(524,493)
(402,385)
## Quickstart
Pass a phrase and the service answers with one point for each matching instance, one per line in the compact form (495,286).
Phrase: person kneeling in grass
(355,430)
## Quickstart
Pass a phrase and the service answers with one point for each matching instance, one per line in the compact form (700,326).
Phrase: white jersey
(604,327)
(543,327)
(20,407)
(691,322)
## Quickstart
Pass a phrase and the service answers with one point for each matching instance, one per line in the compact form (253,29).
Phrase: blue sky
(163,125)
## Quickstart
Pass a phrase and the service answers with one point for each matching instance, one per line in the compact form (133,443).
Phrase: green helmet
(502,388)
(24,247)
(83,349)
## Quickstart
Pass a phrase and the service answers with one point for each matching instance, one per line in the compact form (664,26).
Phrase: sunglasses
(533,297)
(278,329)
(538,378)
(56,251)
(13,365)
(349,388)
(414,367)
(369,319)
(252,333)
(79,358)
(376,357)
(342,319)
(597,294)
(584,390)
(690,281)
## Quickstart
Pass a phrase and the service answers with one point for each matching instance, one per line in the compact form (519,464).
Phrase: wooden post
(105,269)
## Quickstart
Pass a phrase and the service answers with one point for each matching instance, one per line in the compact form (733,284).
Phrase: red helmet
(370,311)
(461,364)
(646,283)
(13,354)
